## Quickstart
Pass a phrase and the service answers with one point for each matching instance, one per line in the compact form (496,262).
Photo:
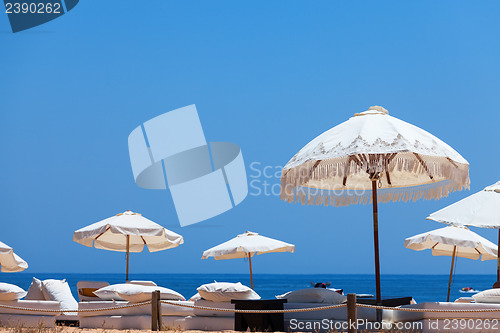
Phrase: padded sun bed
(205,324)
(452,321)
(129,322)
(26,318)
(138,317)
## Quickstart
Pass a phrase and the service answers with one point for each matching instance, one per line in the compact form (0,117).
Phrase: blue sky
(267,75)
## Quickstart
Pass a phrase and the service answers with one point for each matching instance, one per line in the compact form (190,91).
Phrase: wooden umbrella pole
(250,262)
(375,241)
(451,272)
(497,284)
(128,253)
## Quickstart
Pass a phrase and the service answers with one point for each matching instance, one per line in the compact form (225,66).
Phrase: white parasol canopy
(246,246)
(373,157)
(481,209)
(373,141)
(127,232)
(443,241)
(10,261)
(454,242)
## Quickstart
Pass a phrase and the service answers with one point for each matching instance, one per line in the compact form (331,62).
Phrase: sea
(423,288)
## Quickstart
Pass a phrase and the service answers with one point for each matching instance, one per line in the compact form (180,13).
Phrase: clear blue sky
(267,75)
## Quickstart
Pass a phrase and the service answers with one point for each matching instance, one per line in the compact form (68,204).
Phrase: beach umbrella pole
(128,253)
(250,263)
(451,272)
(375,239)
(497,284)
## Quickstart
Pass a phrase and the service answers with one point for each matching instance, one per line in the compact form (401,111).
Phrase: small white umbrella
(10,261)
(481,209)
(246,246)
(127,232)
(455,242)
(373,157)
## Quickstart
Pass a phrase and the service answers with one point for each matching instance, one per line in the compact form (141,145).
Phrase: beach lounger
(27,318)
(137,317)
(450,321)
(86,290)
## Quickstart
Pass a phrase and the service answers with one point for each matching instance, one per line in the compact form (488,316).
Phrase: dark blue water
(423,288)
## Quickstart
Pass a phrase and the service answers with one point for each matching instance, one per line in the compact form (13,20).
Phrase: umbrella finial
(379,109)
(375,109)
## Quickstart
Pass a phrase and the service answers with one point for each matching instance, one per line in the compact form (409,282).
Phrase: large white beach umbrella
(127,232)
(373,155)
(10,261)
(455,242)
(481,209)
(246,246)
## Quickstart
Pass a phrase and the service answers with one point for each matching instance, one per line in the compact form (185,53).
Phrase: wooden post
(154,311)
(250,262)
(158,300)
(451,272)
(351,313)
(375,240)
(128,252)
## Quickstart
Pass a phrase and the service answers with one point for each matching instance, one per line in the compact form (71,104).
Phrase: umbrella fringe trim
(293,188)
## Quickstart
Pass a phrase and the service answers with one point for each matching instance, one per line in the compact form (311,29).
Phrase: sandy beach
(78,330)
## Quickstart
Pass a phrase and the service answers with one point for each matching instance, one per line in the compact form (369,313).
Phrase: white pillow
(195,297)
(10,292)
(226,291)
(35,292)
(138,293)
(143,283)
(59,291)
(108,293)
(488,296)
(313,295)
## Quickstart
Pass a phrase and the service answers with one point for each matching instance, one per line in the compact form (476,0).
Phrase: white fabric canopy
(111,234)
(370,142)
(10,261)
(453,241)
(245,245)
(443,241)
(481,209)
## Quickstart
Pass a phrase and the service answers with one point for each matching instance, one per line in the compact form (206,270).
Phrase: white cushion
(136,293)
(109,293)
(35,292)
(142,310)
(313,295)
(58,290)
(195,297)
(226,291)
(10,292)
(213,313)
(19,306)
(488,296)
(143,283)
